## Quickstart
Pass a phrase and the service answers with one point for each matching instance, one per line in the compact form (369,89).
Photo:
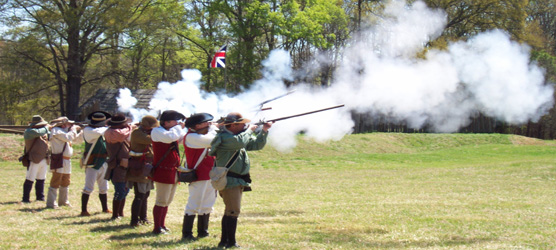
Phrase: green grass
(370,191)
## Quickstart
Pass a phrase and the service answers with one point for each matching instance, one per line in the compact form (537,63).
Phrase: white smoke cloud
(489,73)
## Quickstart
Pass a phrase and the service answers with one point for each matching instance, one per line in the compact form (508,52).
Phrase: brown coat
(116,152)
(140,142)
(39,151)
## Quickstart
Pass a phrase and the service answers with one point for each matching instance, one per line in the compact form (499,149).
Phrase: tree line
(54,54)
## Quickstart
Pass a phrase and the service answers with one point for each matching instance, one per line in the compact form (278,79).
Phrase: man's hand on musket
(266,126)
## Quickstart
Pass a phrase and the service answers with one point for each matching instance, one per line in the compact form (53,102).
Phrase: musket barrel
(302,114)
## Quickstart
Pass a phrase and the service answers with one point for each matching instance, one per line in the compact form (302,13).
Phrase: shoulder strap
(200,158)
(232,160)
(90,149)
(165,154)
(32,144)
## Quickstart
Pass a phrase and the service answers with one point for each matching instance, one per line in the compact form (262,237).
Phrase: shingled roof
(105,100)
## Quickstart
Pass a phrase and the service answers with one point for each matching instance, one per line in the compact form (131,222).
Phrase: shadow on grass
(32,210)
(109,227)
(10,202)
(155,241)
(87,222)
(158,244)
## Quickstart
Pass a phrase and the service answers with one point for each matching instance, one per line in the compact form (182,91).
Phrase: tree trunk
(74,68)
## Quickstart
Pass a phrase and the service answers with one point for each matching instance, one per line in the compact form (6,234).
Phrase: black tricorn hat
(98,118)
(198,118)
(171,115)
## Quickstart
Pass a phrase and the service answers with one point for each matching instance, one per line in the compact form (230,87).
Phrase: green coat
(225,144)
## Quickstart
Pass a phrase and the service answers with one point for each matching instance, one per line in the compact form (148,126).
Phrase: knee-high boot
(115,209)
(104,202)
(51,198)
(187,229)
(84,201)
(157,216)
(224,236)
(63,198)
(143,212)
(202,225)
(121,208)
(231,228)
(39,190)
(136,208)
(163,219)
(27,186)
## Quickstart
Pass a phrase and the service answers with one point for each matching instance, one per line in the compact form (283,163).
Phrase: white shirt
(91,135)
(61,136)
(194,140)
(175,133)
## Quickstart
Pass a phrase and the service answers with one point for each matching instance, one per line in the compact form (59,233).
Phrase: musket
(260,105)
(297,115)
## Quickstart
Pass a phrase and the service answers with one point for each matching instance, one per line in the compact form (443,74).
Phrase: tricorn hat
(117,120)
(235,117)
(98,118)
(171,115)
(37,120)
(149,121)
(60,121)
(198,118)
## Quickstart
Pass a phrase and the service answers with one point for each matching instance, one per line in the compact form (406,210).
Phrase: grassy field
(370,191)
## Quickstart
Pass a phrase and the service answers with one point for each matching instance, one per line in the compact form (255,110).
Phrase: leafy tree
(72,32)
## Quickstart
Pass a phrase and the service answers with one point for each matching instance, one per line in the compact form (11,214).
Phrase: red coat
(166,171)
(192,156)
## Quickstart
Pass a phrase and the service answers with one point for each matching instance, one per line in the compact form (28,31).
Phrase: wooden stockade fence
(12,129)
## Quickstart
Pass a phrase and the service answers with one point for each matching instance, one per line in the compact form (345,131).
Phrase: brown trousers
(232,200)
(58,180)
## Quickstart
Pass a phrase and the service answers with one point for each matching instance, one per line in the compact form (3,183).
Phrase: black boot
(27,186)
(187,229)
(115,209)
(231,228)
(39,190)
(202,225)
(84,201)
(104,202)
(143,211)
(224,237)
(135,209)
(121,208)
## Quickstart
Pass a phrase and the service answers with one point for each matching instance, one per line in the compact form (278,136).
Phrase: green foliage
(72,48)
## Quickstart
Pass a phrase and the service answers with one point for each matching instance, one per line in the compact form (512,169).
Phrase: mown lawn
(370,191)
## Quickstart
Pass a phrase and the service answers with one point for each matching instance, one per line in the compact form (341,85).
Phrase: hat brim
(97,123)
(244,120)
(38,124)
(112,123)
(106,114)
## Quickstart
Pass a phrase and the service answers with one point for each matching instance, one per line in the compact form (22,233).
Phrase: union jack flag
(219,59)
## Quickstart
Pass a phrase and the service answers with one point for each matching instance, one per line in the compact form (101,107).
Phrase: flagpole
(226,68)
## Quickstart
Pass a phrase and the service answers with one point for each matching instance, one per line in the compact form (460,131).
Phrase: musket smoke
(489,73)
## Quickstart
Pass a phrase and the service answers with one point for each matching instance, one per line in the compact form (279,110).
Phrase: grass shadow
(92,221)
(10,202)
(32,210)
(109,228)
